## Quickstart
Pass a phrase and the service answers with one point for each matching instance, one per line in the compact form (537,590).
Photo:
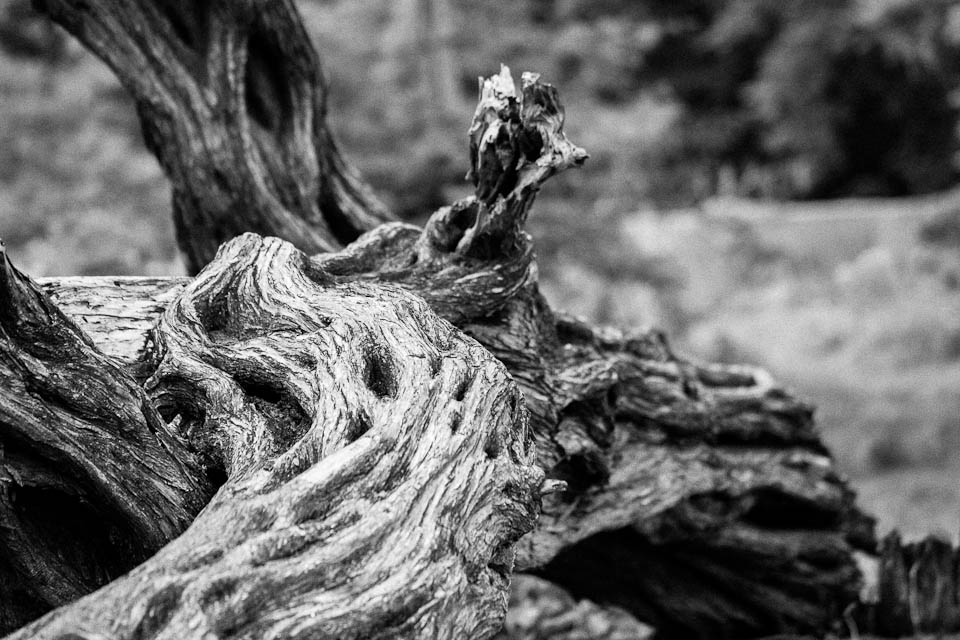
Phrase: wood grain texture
(232,101)
(91,480)
(699,498)
(375,461)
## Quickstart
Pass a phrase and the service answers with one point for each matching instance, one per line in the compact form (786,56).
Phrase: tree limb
(375,463)
(91,480)
(232,101)
(709,482)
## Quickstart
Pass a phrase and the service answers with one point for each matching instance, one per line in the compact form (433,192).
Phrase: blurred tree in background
(801,99)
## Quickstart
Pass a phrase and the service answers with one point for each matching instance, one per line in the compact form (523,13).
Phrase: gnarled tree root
(698,498)
(374,463)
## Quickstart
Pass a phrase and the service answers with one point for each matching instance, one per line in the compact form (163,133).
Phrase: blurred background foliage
(771,181)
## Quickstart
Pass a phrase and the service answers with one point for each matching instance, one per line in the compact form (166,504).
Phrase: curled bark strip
(232,101)
(376,464)
(91,480)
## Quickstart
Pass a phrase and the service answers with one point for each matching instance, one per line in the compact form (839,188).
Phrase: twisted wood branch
(699,498)
(374,464)
(232,101)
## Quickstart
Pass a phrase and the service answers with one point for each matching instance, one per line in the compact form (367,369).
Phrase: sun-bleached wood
(376,465)
(698,498)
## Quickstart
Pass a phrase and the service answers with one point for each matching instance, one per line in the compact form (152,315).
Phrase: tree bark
(698,498)
(232,101)
(373,467)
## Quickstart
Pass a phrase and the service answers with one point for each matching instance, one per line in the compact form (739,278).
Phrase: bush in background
(807,99)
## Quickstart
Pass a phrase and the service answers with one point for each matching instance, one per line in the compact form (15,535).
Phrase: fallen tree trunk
(373,467)
(687,485)
(699,498)
(373,461)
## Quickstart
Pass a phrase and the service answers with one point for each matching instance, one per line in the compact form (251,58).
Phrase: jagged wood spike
(916,589)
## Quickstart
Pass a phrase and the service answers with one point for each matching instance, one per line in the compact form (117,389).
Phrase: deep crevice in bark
(267,98)
(672,468)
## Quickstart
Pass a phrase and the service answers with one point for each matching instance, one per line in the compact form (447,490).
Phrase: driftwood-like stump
(357,443)
(359,436)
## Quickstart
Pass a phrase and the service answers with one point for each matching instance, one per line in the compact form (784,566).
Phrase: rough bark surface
(699,498)
(91,480)
(232,101)
(374,465)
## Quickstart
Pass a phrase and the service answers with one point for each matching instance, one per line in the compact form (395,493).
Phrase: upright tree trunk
(380,425)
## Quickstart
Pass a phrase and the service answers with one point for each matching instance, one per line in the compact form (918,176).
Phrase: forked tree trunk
(374,431)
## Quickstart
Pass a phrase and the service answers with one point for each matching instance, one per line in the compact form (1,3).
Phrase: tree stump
(317,440)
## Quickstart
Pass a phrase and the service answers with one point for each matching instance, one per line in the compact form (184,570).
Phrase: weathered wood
(700,497)
(232,101)
(693,476)
(91,480)
(375,463)
(116,313)
(915,589)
